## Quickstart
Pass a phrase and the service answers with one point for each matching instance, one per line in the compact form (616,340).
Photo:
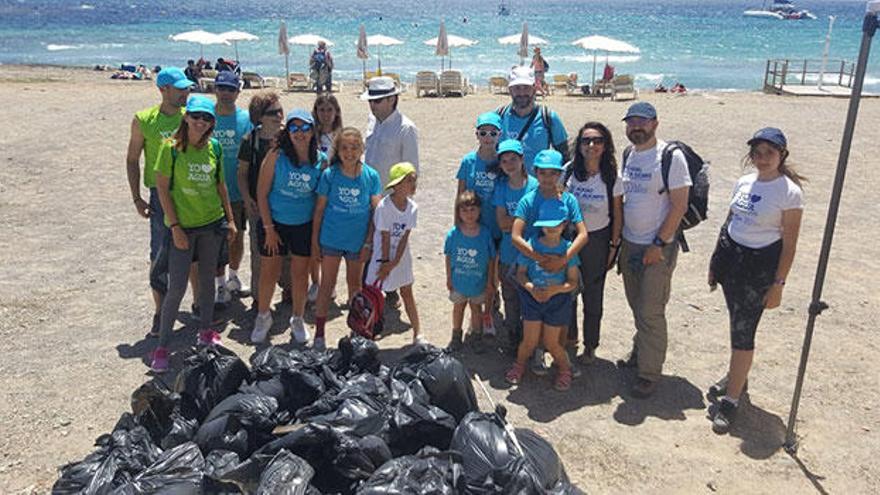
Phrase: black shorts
(295,239)
(745,275)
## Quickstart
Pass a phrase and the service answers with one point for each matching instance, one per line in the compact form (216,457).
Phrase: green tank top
(156,128)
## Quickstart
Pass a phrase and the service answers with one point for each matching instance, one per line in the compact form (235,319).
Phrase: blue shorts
(158,231)
(556,312)
(348,255)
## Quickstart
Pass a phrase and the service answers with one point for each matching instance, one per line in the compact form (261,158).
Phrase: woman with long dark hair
(591,176)
(753,257)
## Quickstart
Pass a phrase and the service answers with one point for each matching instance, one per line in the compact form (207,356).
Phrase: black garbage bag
(302,387)
(430,472)
(120,456)
(415,423)
(240,423)
(177,471)
(218,465)
(286,474)
(157,409)
(494,464)
(208,376)
(182,430)
(341,461)
(271,361)
(271,386)
(355,355)
(444,377)
(360,407)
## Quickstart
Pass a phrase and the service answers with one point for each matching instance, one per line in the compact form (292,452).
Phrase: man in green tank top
(148,129)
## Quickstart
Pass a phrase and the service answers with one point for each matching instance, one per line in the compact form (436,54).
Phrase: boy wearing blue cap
(478,173)
(545,294)
(189,180)
(149,128)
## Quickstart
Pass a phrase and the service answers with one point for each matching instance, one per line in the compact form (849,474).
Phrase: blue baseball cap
(227,79)
(172,76)
(199,103)
(510,145)
(299,114)
(489,118)
(641,109)
(771,135)
(551,159)
(551,213)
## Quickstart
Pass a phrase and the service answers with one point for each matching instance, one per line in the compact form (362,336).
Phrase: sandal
(515,374)
(563,380)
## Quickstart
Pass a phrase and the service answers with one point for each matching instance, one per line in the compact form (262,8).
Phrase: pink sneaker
(515,373)
(159,361)
(210,337)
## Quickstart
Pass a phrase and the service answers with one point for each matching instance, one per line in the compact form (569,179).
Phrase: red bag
(365,311)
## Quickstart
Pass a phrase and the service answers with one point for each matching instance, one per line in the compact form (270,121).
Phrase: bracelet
(779,281)
(268,226)
(615,244)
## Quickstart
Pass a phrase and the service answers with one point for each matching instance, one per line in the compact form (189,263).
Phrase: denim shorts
(555,312)
(458,298)
(348,255)
(158,231)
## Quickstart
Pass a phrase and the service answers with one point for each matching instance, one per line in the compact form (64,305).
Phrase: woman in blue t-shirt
(286,200)
(348,192)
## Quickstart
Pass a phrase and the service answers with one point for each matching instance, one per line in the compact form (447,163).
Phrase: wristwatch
(659,242)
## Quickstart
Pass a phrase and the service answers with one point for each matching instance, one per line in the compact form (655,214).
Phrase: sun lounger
(498,84)
(427,82)
(253,80)
(297,81)
(452,82)
(623,88)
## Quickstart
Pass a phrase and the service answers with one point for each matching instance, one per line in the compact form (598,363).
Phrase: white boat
(780,9)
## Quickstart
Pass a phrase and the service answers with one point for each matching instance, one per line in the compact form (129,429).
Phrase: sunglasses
(207,117)
(306,127)
(488,133)
(592,140)
(273,111)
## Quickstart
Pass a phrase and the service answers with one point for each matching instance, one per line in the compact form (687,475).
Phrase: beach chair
(206,84)
(498,84)
(396,78)
(427,82)
(566,83)
(453,82)
(297,81)
(253,80)
(623,88)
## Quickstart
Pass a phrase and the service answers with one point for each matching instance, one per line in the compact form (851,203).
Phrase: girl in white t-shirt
(753,256)
(591,177)
(394,219)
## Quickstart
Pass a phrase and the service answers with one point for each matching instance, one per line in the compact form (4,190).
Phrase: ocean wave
(654,78)
(619,59)
(86,6)
(872,81)
(55,48)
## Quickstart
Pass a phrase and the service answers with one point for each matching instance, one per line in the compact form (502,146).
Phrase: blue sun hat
(510,145)
(641,109)
(550,159)
(489,118)
(770,134)
(551,214)
(300,114)
(172,76)
(199,103)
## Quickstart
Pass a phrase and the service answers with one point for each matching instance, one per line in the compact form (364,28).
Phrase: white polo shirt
(394,140)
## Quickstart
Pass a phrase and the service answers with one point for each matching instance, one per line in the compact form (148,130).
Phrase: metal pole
(869,27)
(825,53)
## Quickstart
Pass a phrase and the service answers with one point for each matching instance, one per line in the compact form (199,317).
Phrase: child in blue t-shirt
(470,265)
(348,193)
(545,295)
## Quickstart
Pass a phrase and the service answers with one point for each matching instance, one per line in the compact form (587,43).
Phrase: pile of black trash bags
(303,422)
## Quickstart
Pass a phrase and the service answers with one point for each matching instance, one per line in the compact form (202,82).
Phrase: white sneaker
(298,330)
(319,344)
(262,325)
(313,293)
(223,296)
(233,284)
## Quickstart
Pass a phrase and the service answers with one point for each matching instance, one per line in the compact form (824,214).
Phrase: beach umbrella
(444,42)
(362,48)
(523,39)
(379,40)
(817,305)
(236,36)
(284,49)
(201,37)
(308,40)
(598,44)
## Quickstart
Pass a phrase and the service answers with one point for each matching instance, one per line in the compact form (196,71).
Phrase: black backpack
(698,192)
(548,124)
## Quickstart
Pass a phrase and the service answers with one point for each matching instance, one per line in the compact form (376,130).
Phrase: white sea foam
(871,81)
(619,59)
(55,48)
(654,78)
(86,6)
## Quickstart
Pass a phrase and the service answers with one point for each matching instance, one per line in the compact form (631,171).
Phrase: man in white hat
(535,126)
(391,137)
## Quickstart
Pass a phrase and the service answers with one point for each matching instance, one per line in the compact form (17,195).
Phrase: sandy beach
(74,301)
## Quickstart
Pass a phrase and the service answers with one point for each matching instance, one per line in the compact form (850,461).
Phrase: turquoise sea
(707,44)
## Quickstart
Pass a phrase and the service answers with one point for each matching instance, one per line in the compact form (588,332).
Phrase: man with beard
(536,126)
(149,128)
(652,214)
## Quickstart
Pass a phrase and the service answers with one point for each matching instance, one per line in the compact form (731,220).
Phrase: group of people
(534,217)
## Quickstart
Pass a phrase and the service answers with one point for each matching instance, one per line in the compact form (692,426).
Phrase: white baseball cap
(521,76)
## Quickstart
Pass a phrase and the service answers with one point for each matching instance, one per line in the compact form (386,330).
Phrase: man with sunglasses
(651,217)
(149,128)
(535,126)
(233,124)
